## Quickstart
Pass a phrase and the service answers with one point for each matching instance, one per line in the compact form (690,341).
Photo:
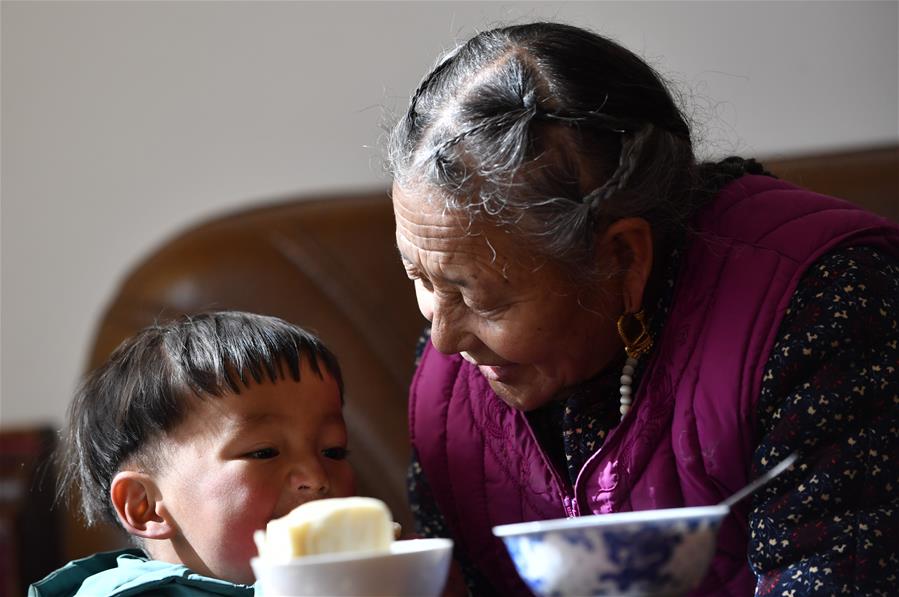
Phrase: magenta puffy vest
(690,435)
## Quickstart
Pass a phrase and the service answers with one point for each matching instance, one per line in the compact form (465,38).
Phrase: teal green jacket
(130,572)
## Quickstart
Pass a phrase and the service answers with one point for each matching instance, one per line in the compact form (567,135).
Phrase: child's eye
(262,454)
(335,453)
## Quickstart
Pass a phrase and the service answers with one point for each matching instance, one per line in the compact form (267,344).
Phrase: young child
(193,435)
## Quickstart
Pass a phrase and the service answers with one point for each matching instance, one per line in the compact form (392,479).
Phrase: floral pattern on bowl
(653,552)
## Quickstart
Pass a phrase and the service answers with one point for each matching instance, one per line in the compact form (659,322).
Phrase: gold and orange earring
(634,348)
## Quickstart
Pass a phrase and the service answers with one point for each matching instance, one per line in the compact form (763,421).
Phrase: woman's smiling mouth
(498,373)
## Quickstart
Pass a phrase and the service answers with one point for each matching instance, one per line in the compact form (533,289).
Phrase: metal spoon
(761,480)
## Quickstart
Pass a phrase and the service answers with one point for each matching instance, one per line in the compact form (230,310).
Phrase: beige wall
(124,122)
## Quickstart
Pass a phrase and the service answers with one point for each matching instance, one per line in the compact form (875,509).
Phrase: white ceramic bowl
(652,552)
(414,568)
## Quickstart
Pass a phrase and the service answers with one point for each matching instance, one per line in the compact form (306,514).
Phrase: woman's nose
(449,333)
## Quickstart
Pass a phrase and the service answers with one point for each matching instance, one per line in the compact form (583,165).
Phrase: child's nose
(310,479)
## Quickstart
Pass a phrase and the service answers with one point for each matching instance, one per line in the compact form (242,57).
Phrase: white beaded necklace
(627,379)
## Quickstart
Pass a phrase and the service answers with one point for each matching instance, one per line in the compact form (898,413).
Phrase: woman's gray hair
(552,130)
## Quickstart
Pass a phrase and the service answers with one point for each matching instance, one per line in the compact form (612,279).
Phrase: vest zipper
(569,500)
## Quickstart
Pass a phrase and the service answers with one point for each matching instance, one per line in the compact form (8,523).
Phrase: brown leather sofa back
(331,265)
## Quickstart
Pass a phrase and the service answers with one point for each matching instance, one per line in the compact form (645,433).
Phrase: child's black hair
(146,387)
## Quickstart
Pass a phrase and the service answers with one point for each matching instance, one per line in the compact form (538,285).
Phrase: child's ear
(135,498)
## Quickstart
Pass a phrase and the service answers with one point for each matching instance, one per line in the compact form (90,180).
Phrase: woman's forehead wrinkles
(436,236)
(445,252)
(439,243)
(443,242)
(417,209)
(450,258)
(441,224)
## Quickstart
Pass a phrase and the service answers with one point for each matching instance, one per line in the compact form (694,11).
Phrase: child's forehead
(265,400)
(259,406)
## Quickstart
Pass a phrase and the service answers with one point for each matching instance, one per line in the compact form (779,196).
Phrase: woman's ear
(136,500)
(627,243)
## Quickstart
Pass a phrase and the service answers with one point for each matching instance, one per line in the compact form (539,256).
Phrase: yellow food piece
(327,526)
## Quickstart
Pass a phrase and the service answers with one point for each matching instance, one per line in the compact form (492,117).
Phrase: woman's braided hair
(553,129)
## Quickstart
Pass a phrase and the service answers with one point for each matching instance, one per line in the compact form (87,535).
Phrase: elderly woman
(615,327)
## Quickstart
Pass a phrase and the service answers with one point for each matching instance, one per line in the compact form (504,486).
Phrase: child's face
(241,460)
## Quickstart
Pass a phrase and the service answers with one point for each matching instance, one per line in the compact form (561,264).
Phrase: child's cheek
(250,498)
(345,484)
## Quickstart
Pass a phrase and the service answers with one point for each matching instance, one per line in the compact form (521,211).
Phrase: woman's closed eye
(425,283)
(414,274)
(336,453)
(484,310)
(478,308)
(262,454)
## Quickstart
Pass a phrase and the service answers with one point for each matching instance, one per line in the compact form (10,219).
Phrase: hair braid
(631,148)
(409,129)
(714,176)
(513,122)
(521,124)
(425,84)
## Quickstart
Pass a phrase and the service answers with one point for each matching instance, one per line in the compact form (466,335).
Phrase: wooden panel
(332,266)
(868,177)
(29,528)
(327,264)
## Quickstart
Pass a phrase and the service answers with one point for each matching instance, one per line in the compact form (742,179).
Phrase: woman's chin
(521,397)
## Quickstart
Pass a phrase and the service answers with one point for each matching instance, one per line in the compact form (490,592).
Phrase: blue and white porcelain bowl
(652,552)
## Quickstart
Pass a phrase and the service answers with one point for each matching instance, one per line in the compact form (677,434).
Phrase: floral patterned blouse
(830,526)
